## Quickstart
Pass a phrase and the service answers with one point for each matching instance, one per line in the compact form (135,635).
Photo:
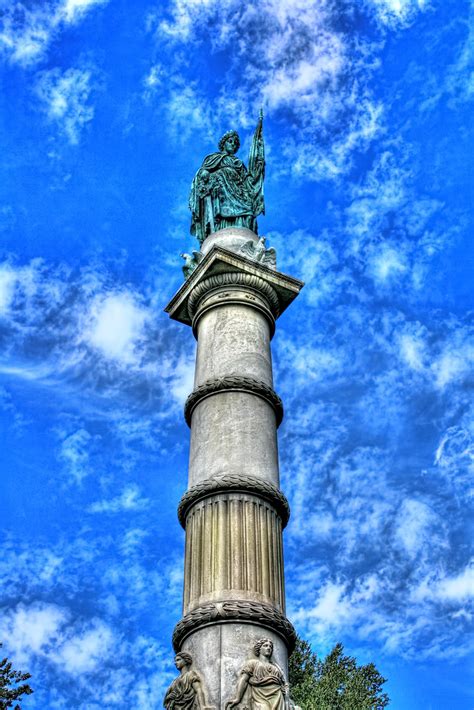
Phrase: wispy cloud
(128,501)
(85,657)
(65,98)
(28,29)
(397,13)
(306,68)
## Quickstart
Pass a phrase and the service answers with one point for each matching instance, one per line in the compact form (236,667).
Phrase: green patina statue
(224,193)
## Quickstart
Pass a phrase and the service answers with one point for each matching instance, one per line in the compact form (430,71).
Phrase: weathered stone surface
(233,551)
(233,432)
(220,651)
(231,238)
(233,340)
(233,511)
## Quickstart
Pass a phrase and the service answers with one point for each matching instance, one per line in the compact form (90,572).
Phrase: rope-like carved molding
(230,483)
(233,278)
(233,383)
(239,611)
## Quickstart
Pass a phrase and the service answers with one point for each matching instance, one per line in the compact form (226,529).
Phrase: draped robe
(181,694)
(266,683)
(225,194)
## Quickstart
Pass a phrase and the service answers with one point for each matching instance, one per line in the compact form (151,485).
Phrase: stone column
(233,511)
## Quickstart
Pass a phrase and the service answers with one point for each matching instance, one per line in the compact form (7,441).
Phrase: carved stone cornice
(219,261)
(233,278)
(235,611)
(232,483)
(233,383)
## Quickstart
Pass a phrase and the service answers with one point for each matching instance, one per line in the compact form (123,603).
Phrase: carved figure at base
(186,692)
(265,681)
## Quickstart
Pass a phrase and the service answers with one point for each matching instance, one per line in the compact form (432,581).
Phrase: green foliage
(337,683)
(12,685)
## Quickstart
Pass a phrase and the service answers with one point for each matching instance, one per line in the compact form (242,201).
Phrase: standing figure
(224,193)
(268,687)
(186,691)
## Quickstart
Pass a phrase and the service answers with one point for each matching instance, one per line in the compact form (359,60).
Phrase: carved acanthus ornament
(233,278)
(235,610)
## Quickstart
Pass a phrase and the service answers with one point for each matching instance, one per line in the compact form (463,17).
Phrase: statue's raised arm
(224,193)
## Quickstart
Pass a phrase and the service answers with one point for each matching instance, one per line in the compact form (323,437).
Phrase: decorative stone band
(233,383)
(233,278)
(236,611)
(235,482)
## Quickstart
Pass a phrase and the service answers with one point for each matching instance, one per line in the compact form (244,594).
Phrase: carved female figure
(186,692)
(224,193)
(268,688)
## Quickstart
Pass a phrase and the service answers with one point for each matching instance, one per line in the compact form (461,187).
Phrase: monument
(233,641)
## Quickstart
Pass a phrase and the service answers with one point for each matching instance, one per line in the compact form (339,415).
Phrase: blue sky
(108,108)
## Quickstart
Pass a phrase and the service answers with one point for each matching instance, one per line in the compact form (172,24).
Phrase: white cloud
(323,64)
(74,453)
(456,443)
(413,350)
(306,68)
(7,287)
(31,629)
(395,13)
(117,326)
(128,500)
(330,608)
(416,526)
(387,263)
(182,382)
(27,30)
(65,97)
(458,588)
(455,360)
(459,81)
(133,540)
(73,10)
(86,649)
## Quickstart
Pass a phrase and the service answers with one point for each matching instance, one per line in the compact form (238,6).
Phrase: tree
(9,688)
(337,683)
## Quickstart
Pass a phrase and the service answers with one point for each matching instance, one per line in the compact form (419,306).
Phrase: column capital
(220,268)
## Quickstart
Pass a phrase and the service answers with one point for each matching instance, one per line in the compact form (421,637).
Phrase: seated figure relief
(186,692)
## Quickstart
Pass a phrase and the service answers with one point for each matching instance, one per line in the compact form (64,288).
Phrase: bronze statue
(265,680)
(224,193)
(186,691)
